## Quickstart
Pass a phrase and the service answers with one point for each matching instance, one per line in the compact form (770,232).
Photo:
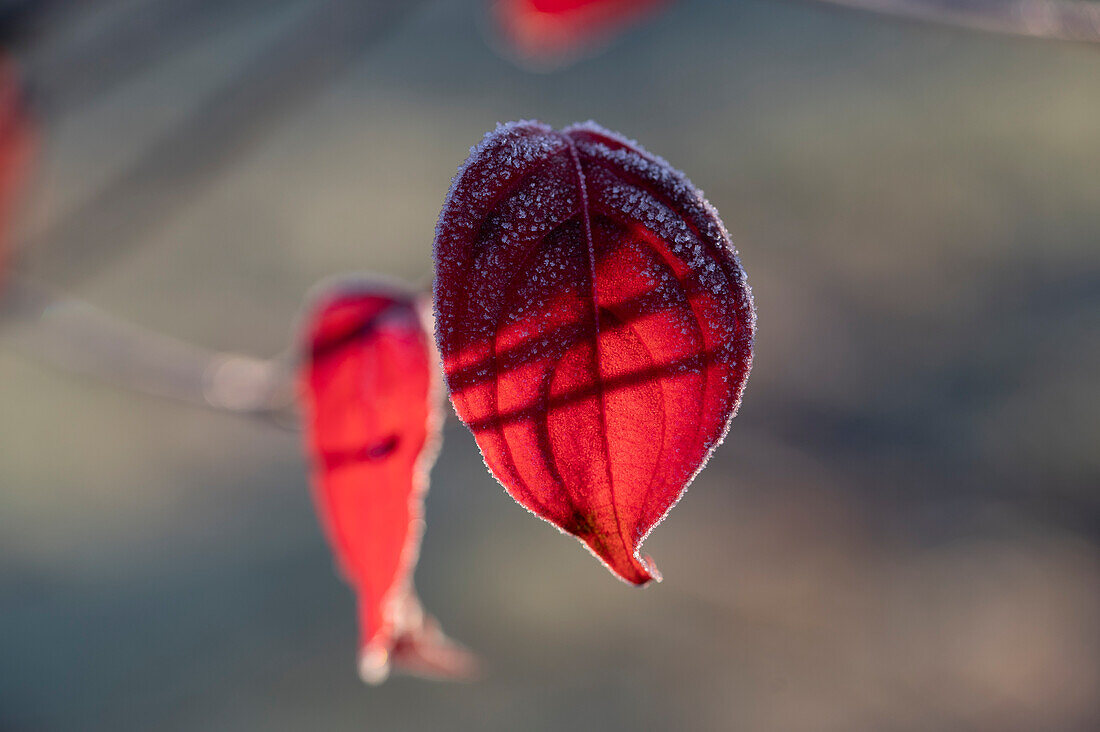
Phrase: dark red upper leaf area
(372,429)
(595,325)
(548,31)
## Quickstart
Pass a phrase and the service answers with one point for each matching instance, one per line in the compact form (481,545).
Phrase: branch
(1065,20)
(71,66)
(78,337)
(226,126)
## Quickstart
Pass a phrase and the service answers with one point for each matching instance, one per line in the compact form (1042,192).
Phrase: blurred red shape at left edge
(18,141)
(371,397)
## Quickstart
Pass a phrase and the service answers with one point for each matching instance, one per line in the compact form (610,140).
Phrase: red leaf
(547,32)
(595,325)
(17,142)
(373,431)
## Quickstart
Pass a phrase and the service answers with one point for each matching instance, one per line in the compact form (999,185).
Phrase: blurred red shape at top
(17,143)
(550,33)
(371,401)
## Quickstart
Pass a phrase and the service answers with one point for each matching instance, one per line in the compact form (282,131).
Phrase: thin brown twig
(77,337)
(1063,20)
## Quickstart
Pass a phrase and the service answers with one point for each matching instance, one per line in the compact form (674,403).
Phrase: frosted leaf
(595,326)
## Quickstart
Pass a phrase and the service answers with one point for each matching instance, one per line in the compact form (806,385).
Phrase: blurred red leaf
(371,402)
(17,143)
(595,325)
(548,32)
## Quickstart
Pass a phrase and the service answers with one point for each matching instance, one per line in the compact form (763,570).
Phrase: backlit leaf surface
(370,397)
(595,325)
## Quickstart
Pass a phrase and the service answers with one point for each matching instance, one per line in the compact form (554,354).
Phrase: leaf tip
(630,567)
(641,572)
(651,568)
(374,665)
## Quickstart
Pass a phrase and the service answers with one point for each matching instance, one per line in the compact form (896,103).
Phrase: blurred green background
(901,532)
